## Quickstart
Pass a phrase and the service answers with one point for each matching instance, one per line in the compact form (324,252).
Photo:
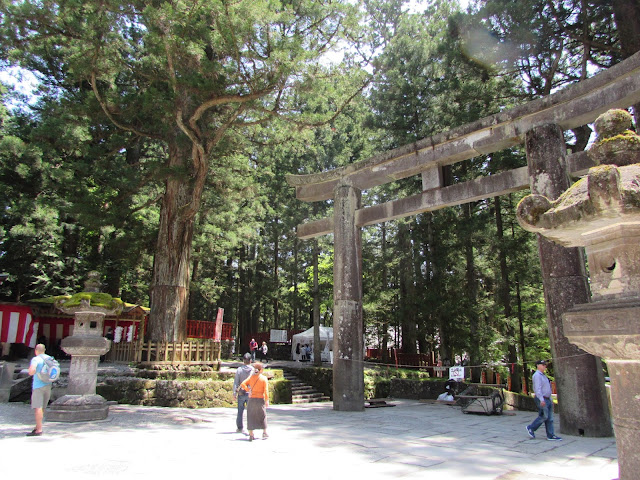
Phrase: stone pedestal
(611,329)
(78,408)
(6,380)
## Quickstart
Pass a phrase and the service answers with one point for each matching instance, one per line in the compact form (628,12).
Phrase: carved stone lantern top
(600,212)
(91,300)
(607,197)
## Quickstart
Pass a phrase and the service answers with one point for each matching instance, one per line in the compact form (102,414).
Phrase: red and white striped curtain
(17,325)
(55,329)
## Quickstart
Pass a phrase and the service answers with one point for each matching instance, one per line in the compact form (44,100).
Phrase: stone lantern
(81,403)
(601,212)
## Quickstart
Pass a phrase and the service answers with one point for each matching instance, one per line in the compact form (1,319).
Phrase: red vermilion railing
(203,329)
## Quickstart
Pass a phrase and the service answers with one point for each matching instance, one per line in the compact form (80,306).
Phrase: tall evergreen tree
(192,76)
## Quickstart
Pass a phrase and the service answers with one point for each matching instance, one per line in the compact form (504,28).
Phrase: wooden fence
(164,353)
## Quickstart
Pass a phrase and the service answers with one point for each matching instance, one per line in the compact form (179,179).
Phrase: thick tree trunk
(407,292)
(505,299)
(296,302)
(170,284)
(317,360)
(276,278)
(384,287)
(472,298)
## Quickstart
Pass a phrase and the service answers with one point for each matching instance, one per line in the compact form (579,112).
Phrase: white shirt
(541,385)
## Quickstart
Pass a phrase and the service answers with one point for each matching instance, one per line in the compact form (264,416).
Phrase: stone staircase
(302,393)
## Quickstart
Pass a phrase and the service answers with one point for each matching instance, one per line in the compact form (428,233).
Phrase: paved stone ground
(411,440)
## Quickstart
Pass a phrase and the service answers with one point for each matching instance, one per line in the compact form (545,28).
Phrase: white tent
(306,337)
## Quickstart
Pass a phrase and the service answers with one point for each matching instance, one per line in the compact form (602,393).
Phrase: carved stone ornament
(600,212)
(608,196)
(608,329)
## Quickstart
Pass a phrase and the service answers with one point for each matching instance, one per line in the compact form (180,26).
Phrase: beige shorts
(40,397)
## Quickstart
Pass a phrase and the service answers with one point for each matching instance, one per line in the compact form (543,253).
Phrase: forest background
(154,145)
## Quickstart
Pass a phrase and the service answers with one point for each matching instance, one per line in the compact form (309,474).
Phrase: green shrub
(279,391)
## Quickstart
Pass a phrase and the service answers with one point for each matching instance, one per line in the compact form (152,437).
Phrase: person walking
(40,392)
(264,349)
(242,373)
(258,387)
(542,391)
(253,346)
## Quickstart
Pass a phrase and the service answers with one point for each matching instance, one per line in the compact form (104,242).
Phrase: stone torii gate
(539,125)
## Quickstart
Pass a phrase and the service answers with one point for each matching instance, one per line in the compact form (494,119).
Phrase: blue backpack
(50,371)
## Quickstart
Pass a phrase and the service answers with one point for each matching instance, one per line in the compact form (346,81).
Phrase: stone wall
(184,393)
(214,389)
(419,389)
(518,401)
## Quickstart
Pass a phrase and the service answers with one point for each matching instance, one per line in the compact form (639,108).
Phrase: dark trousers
(545,415)
(242,404)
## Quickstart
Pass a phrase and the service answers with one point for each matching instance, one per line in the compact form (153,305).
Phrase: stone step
(307,395)
(302,389)
(303,393)
(311,400)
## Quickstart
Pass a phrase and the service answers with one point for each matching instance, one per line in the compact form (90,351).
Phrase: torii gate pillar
(582,400)
(348,342)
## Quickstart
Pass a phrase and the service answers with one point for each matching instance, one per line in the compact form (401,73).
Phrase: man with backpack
(41,389)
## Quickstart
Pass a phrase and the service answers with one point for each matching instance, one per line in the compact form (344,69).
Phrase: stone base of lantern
(610,329)
(78,408)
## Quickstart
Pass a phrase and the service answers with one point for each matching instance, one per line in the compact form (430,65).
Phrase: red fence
(203,329)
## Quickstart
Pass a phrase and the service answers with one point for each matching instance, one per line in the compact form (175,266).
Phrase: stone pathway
(411,440)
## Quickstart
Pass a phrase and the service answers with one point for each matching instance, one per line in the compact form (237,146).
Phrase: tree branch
(108,113)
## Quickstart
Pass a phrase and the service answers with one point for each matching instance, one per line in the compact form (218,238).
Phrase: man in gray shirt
(242,373)
(542,391)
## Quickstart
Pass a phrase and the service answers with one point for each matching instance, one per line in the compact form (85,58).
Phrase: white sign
(278,336)
(456,373)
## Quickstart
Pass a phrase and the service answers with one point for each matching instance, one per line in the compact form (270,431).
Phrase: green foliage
(280,391)
(130,93)
(548,44)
